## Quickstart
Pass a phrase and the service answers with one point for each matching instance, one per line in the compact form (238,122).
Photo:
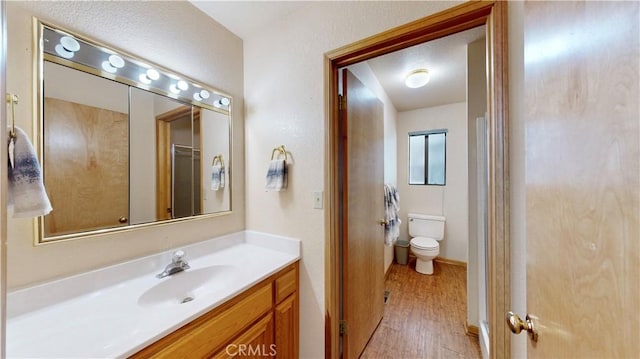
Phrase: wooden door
(363,236)
(583,178)
(86,167)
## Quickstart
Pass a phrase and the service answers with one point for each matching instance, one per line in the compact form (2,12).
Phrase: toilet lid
(424,243)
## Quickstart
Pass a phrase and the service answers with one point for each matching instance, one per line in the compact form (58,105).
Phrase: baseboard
(386,274)
(471,330)
(451,261)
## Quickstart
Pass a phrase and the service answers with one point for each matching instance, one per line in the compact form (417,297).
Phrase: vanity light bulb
(106,65)
(116,61)
(204,94)
(60,50)
(69,43)
(183,85)
(225,101)
(174,89)
(144,79)
(196,96)
(153,74)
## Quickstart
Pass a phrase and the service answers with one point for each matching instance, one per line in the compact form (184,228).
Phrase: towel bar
(281,151)
(219,159)
(12,100)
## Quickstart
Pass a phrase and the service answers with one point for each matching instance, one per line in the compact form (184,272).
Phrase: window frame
(426,135)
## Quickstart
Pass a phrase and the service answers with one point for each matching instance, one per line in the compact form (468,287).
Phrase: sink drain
(186,300)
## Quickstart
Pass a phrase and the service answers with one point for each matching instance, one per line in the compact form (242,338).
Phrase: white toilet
(426,231)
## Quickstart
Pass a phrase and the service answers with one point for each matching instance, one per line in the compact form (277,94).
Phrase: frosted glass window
(435,171)
(427,157)
(416,160)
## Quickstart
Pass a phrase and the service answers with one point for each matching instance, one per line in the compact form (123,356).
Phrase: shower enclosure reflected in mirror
(123,142)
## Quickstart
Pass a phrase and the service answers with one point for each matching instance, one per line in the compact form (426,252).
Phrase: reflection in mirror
(121,149)
(86,151)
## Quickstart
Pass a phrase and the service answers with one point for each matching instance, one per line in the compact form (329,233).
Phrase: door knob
(383,222)
(517,325)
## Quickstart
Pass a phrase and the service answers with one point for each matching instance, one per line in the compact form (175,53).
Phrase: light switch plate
(317,200)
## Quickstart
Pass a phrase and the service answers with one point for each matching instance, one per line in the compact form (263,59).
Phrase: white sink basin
(188,286)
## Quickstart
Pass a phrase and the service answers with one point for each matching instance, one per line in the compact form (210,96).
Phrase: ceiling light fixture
(417,78)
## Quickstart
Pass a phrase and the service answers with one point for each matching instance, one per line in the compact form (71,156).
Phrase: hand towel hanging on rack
(217,173)
(277,172)
(26,195)
(392,219)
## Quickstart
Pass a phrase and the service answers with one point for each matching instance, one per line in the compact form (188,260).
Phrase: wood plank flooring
(424,316)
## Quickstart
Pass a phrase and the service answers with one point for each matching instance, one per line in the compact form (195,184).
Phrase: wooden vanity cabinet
(262,321)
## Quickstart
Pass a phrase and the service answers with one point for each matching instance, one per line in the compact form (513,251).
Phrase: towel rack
(281,151)
(12,100)
(219,159)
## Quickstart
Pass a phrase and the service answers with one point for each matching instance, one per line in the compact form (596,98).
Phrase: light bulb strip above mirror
(71,50)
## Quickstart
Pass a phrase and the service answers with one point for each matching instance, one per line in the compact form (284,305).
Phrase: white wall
(450,200)
(476,107)
(285,103)
(363,72)
(140,28)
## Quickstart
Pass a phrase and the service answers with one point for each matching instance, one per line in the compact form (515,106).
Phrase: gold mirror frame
(39,57)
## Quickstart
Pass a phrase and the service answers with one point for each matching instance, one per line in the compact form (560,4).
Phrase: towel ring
(281,151)
(12,100)
(218,159)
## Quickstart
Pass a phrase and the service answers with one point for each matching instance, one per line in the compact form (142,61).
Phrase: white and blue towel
(217,177)
(276,176)
(26,195)
(391,208)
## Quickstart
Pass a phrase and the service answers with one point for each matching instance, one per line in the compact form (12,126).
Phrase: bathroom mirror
(124,143)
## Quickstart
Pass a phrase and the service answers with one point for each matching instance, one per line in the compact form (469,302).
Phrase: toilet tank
(423,225)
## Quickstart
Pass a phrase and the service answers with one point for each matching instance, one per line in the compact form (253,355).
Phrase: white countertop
(98,315)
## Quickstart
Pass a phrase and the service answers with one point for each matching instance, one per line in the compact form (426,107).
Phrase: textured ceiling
(245,18)
(445,58)
(446,61)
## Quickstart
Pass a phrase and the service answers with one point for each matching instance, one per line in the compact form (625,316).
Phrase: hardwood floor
(424,316)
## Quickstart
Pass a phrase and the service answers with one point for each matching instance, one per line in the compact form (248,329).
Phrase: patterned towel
(392,206)
(26,195)
(217,177)
(276,176)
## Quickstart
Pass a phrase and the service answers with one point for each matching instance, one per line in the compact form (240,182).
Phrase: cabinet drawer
(286,284)
(212,334)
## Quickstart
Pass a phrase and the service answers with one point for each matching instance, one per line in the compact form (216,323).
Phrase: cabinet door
(255,342)
(286,327)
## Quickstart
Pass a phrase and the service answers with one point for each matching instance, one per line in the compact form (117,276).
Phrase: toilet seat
(424,243)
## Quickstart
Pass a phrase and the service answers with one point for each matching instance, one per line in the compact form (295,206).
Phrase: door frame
(493,14)
(163,156)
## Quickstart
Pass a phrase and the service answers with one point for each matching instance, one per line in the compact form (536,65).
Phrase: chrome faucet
(177,265)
